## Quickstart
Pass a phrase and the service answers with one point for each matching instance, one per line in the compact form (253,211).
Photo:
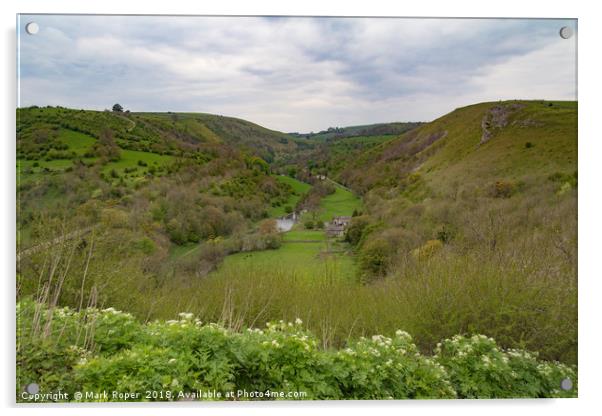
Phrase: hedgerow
(107,350)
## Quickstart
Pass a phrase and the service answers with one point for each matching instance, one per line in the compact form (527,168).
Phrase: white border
(590,183)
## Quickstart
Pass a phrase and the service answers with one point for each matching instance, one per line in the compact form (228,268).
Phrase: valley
(462,225)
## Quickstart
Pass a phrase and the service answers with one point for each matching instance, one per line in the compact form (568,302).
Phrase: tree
(107,148)
(268,226)
(117,108)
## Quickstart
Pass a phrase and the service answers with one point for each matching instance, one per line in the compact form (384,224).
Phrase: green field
(299,187)
(342,202)
(130,158)
(305,252)
(305,235)
(307,259)
(78,142)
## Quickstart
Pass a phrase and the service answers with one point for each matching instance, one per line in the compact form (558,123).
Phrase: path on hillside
(132,122)
(340,185)
(32,250)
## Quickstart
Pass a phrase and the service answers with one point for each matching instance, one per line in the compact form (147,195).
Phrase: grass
(299,189)
(130,158)
(342,202)
(307,235)
(57,164)
(307,259)
(444,296)
(176,251)
(305,252)
(26,172)
(78,142)
(508,269)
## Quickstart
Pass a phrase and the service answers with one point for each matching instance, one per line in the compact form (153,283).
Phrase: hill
(193,177)
(161,133)
(474,144)
(379,129)
(465,225)
(473,211)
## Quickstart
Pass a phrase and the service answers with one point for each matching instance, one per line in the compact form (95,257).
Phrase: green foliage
(355,231)
(508,267)
(184,355)
(427,250)
(374,258)
(479,369)
(146,245)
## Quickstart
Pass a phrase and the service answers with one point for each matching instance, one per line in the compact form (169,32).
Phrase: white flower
(187,316)
(275,343)
(298,321)
(401,333)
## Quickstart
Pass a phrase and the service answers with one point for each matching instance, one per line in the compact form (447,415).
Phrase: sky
(293,74)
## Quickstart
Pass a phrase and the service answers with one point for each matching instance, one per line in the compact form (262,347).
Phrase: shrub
(374,258)
(445,234)
(182,356)
(114,218)
(145,245)
(504,189)
(480,369)
(309,224)
(427,250)
(356,230)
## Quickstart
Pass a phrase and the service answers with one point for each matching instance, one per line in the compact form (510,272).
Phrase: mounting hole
(566,384)
(32,388)
(32,28)
(566,32)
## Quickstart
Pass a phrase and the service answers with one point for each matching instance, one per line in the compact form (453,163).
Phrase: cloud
(293,74)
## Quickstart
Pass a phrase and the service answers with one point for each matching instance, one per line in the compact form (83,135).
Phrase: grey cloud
(292,74)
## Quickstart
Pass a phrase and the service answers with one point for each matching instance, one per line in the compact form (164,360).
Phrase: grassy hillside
(340,203)
(524,137)
(271,145)
(298,190)
(493,184)
(466,225)
(161,133)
